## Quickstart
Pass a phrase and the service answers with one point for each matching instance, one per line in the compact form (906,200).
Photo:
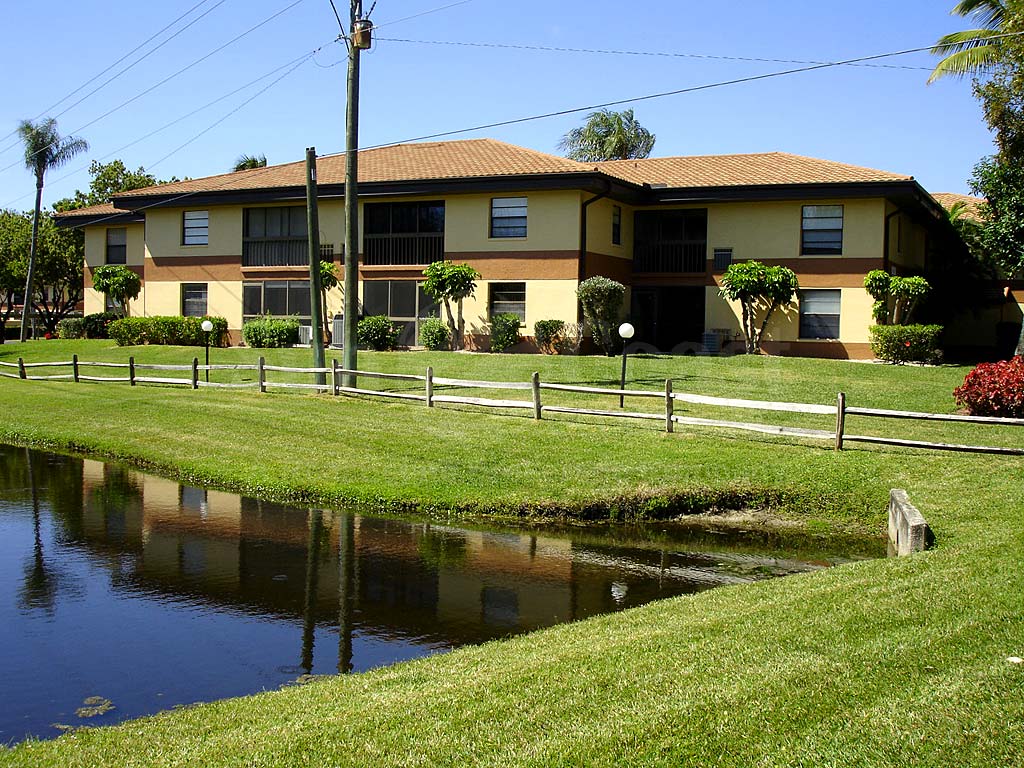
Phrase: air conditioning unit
(305,334)
(337,330)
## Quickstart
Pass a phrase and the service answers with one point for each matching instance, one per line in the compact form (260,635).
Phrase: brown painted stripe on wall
(194,269)
(836,350)
(521,265)
(615,267)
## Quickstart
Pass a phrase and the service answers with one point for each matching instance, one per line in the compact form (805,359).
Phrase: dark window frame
(185,299)
(506,231)
(507,305)
(820,325)
(616,225)
(115,248)
(821,241)
(194,230)
(304,317)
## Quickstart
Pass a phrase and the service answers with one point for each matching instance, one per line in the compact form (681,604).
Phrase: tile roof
(742,170)
(103,209)
(470,158)
(972,205)
(488,158)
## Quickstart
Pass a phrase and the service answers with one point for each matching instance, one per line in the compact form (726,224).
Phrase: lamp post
(626,331)
(207,327)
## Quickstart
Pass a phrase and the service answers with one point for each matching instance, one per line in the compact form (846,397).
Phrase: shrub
(994,389)
(96,324)
(557,337)
(434,334)
(377,332)
(266,332)
(173,329)
(118,282)
(547,333)
(906,343)
(130,331)
(601,299)
(504,331)
(71,328)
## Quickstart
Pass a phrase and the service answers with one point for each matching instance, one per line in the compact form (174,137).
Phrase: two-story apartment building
(534,225)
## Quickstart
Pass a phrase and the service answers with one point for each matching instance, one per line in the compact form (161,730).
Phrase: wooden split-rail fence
(338,380)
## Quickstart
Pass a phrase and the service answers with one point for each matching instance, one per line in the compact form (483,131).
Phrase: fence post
(334,376)
(261,374)
(74,367)
(131,370)
(195,373)
(430,386)
(21,368)
(840,419)
(669,405)
(536,396)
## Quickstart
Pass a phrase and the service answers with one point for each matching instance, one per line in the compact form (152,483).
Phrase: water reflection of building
(370,576)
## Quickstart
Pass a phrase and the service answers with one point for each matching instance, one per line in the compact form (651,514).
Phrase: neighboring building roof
(763,169)
(95,214)
(972,205)
(92,210)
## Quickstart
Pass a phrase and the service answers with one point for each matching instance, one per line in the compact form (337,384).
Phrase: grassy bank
(899,662)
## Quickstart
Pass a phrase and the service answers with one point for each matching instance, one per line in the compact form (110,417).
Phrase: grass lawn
(884,662)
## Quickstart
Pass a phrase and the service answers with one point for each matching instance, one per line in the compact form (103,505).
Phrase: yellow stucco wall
(545,300)
(96,244)
(164,232)
(553,223)
(599,228)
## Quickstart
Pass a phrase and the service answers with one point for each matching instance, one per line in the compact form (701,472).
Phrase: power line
(174,122)
(422,13)
(100,74)
(176,74)
(662,54)
(692,89)
(663,94)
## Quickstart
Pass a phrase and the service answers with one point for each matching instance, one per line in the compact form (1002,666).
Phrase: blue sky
(881,117)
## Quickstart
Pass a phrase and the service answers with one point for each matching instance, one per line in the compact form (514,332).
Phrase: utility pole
(313,232)
(359,40)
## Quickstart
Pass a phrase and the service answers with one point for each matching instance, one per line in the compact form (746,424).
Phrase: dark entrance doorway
(668,316)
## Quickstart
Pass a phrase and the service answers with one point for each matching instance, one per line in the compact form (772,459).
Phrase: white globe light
(207,326)
(626,331)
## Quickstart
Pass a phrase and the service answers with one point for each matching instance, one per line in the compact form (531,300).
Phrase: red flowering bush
(994,389)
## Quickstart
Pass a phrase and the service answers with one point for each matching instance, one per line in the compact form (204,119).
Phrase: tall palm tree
(608,135)
(969,52)
(248,162)
(45,148)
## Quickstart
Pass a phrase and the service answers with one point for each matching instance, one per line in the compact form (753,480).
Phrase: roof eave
(70,221)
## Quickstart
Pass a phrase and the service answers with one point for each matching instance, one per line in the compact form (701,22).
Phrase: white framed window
(508,217)
(195,228)
(819,313)
(821,231)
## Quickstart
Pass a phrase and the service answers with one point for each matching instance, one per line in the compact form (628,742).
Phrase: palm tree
(970,51)
(248,162)
(608,135)
(45,148)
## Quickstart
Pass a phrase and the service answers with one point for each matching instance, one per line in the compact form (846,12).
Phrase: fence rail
(338,380)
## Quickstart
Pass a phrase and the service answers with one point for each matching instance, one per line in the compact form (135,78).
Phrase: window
(117,245)
(822,230)
(196,228)
(403,233)
(275,237)
(508,297)
(819,314)
(193,299)
(508,217)
(674,241)
(281,298)
(723,259)
(616,225)
(403,301)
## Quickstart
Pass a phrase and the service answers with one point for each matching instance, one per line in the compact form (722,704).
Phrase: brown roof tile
(742,170)
(103,209)
(972,205)
(471,158)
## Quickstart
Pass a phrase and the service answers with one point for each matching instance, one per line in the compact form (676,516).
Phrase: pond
(125,593)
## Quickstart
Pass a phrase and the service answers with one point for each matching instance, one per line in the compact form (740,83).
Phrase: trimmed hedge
(907,343)
(994,389)
(435,335)
(173,330)
(71,328)
(378,333)
(504,331)
(557,337)
(97,323)
(269,332)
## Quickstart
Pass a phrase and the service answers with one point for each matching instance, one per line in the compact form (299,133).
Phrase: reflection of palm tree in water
(39,588)
(316,526)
